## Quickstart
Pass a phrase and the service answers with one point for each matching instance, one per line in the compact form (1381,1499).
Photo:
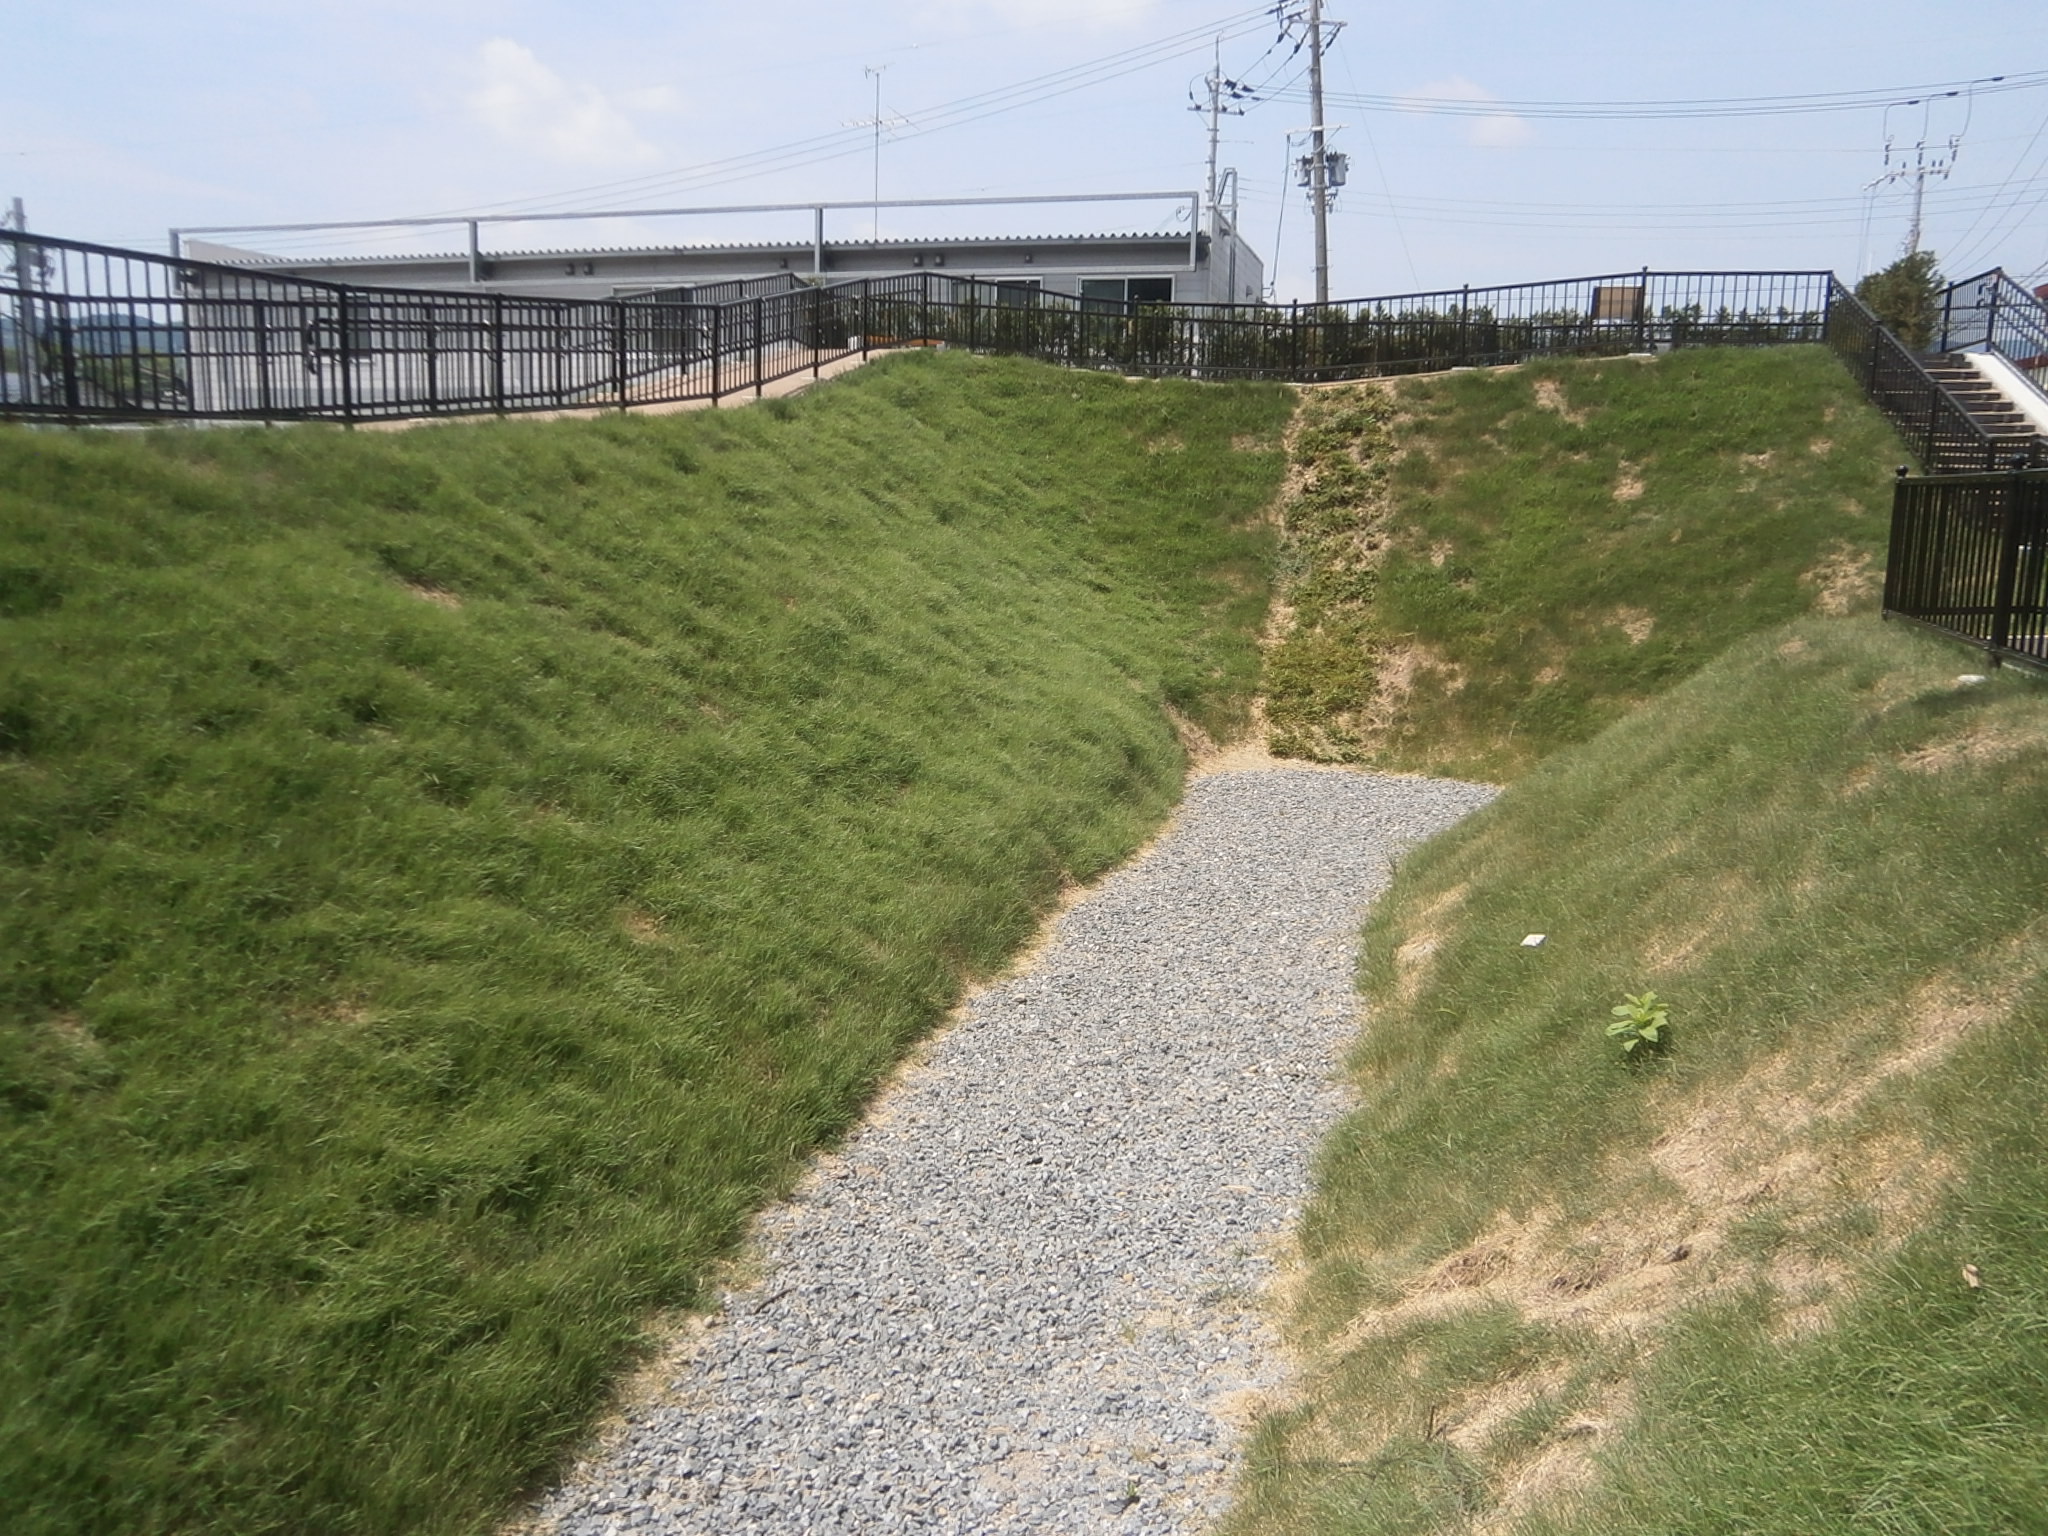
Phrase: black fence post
(260,318)
(817,326)
(498,353)
(757,347)
(717,350)
(2010,529)
(344,359)
(864,282)
(619,350)
(67,349)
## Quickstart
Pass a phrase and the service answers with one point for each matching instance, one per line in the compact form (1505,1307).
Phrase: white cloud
(525,103)
(1490,130)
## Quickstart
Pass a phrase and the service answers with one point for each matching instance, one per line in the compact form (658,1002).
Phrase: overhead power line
(927,120)
(1700,107)
(847,141)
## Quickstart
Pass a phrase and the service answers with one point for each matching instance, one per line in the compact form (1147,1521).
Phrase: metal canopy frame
(474,222)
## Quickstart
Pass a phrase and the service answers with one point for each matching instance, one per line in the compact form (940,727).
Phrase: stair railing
(1992,313)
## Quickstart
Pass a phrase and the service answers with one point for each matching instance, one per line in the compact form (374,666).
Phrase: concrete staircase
(1992,407)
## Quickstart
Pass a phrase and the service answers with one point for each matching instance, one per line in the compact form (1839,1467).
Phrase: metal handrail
(107,333)
(1947,439)
(1993,313)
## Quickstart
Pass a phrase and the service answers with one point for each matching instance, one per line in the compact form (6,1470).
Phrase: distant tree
(1902,296)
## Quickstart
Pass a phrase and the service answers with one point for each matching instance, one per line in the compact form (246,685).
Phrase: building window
(1124,295)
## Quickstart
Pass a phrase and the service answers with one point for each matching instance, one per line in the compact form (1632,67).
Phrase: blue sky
(124,119)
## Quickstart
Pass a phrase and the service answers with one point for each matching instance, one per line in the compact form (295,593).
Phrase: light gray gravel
(1021,1298)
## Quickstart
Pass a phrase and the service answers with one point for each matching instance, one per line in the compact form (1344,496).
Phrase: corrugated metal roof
(589,253)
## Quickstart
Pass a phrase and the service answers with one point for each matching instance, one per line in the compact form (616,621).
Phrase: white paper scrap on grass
(1534,941)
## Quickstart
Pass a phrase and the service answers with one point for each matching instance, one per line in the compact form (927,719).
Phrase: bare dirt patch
(1628,483)
(1550,396)
(1985,743)
(643,927)
(1843,580)
(1821,447)
(427,592)
(1787,1142)
(1412,958)
(1636,623)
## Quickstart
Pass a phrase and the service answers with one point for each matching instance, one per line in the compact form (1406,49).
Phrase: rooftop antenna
(878,123)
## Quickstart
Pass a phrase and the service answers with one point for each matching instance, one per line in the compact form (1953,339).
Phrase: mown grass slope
(1487,566)
(1784,1275)
(451,877)
(1787,1276)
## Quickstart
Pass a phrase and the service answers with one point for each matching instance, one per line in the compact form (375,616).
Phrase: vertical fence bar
(259,317)
(717,352)
(497,323)
(758,313)
(344,357)
(619,350)
(2010,529)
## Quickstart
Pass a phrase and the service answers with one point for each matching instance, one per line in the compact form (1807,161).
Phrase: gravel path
(1021,1297)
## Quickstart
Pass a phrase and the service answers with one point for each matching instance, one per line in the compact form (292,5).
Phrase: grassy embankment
(452,877)
(1486,566)
(1790,1274)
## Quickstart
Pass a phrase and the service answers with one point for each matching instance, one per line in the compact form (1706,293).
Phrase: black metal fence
(90,332)
(1994,313)
(1969,556)
(1944,436)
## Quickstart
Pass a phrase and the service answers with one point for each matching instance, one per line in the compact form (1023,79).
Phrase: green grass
(452,877)
(1724,1282)
(1487,566)
(1723,1287)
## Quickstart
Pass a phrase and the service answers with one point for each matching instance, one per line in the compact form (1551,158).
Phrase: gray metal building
(1209,264)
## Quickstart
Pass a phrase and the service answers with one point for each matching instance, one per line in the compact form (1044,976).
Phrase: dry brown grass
(427,592)
(1550,396)
(1844,580)
(1603,1275)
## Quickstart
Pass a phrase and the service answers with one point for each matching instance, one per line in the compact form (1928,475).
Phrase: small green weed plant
(1640,1019)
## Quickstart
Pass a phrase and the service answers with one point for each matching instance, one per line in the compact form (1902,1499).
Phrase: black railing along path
(93,333)
(1969,556)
